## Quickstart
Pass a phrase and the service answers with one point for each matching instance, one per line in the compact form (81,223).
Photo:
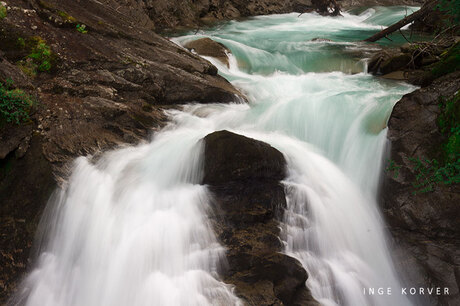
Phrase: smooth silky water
(131,229)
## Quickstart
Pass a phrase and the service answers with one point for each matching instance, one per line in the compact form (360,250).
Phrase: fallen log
(406,20)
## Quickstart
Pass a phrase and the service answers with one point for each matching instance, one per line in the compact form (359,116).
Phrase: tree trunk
(408,19)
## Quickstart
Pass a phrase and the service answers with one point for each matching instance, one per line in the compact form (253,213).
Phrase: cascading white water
(132,228)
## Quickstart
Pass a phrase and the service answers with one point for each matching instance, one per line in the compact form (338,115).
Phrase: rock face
(418,63)
(208,47)
(244,176)
(362,3)
(425,225)
(173,13)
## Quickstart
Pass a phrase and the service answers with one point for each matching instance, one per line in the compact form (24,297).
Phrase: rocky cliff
(420,200)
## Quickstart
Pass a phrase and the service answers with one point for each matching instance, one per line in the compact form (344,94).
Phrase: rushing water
(132,228)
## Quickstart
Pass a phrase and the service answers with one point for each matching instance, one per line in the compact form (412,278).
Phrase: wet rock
(396,75)
(387,61)
(231,157)
(243,175)
(319,39)
(167,14)
(208,47)
(346,4)
(25,185)
(425,225)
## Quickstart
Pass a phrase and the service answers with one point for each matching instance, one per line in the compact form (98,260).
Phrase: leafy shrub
(15,104)
(393,167)
(3,12)
(82,28)
(431,172)
(450,8)
(39,59)
(446,170)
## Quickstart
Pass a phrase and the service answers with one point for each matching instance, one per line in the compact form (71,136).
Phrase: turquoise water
(266,44)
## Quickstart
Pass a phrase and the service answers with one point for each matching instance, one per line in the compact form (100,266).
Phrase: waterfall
(132,230)
(132,227)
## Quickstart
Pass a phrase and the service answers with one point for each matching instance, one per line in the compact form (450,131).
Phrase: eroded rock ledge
(244,176)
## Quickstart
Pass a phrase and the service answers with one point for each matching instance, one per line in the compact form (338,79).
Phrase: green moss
(67,18)
(15,104)
(450,62)
(451,9)
(449,125)
(45,5)
(445,170)
(3,12)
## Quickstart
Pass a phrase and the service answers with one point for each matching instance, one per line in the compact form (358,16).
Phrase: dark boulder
(231,157)
(243,175)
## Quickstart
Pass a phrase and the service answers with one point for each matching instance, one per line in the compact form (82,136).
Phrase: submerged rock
(244,176)
(319,39)
(208,47)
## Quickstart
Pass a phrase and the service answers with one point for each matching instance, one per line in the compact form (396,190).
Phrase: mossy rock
(450,62)
(395,63)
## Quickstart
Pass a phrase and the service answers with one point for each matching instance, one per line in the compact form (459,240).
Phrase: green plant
(3,12)
(82,28)
(21,42)
(393,167)
(449,125)
(450,62)
(67,18)
(428,173)
(450,8)
(15,104)
(40,57)
(446,169)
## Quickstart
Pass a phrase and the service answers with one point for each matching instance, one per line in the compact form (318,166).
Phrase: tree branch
(398,25)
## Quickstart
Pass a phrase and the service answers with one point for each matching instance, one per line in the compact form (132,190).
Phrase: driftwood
(406,20)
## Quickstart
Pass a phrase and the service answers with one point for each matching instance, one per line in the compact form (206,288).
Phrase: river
(131,228)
